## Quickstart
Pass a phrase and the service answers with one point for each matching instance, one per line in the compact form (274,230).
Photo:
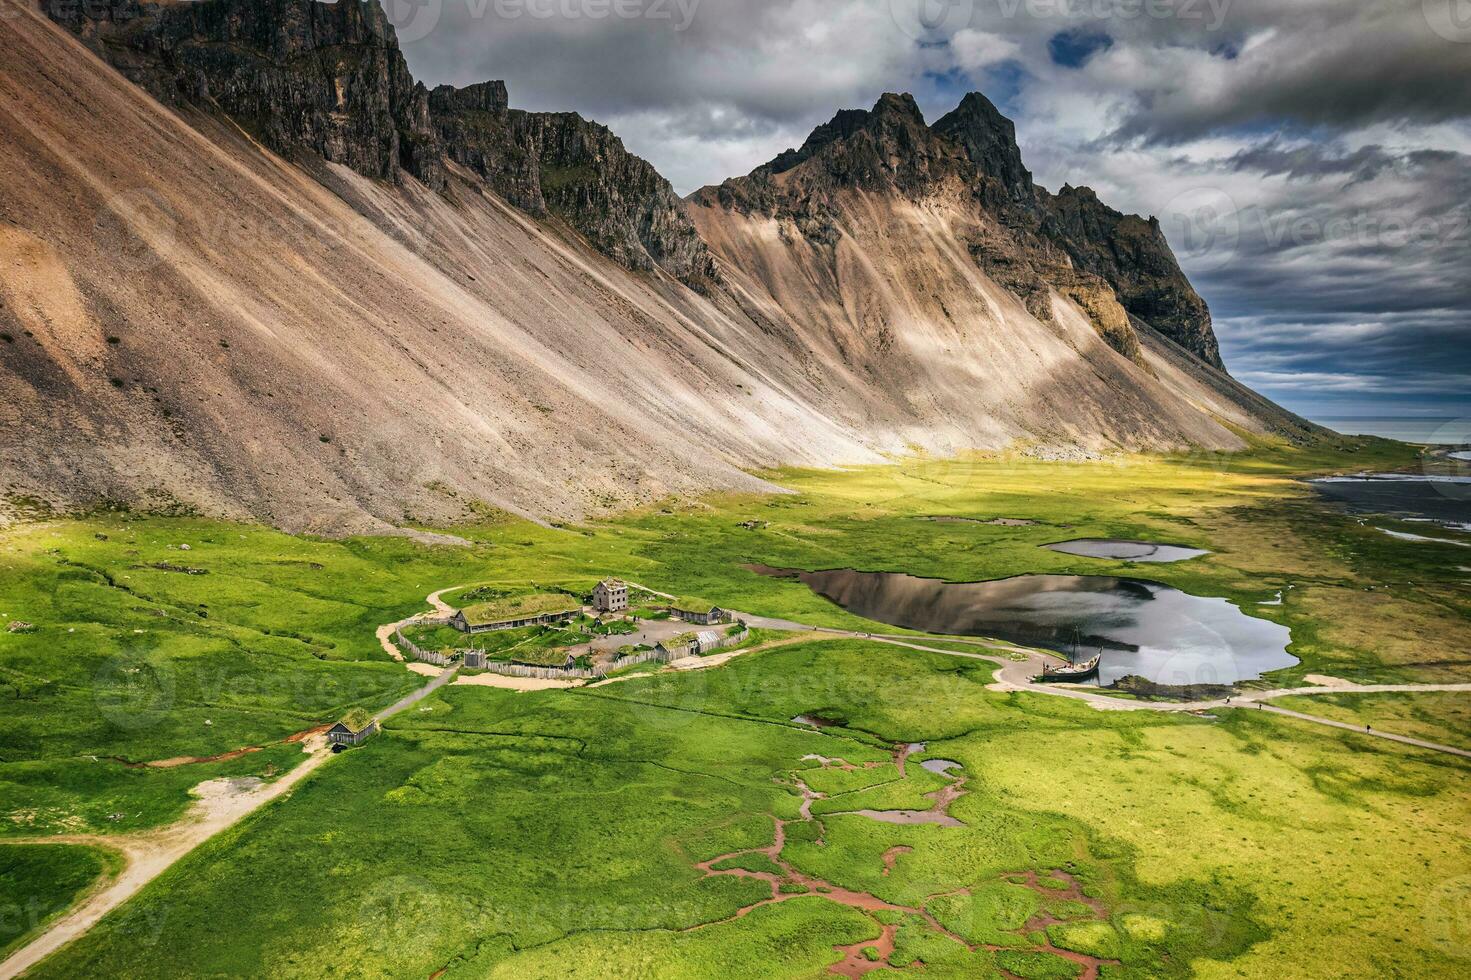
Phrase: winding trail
(146,855)
(1017,675)
(221,804)
(435,600)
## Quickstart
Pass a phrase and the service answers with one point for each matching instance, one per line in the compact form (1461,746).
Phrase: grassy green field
(129,664)
(38,883)
(498,834)
(488,833)
(1429,716)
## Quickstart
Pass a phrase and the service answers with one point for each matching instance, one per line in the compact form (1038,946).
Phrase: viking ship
(1075,669)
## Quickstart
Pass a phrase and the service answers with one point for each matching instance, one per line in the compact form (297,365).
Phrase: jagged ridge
(191,323)
(329,79)
(1113,266)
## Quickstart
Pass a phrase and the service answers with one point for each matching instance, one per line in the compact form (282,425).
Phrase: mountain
(253,268)
(1114,268)
(328,79)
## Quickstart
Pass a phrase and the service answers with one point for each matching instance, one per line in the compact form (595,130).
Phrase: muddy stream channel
(865,957)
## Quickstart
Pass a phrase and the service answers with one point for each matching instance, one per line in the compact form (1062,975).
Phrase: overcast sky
(1310,159)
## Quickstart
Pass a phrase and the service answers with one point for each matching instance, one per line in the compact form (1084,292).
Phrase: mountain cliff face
(329,79)
(559,163)
(198,314)
(1115,268)
(1132,254)
(300,76)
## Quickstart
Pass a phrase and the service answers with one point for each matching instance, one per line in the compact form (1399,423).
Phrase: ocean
(1438,432)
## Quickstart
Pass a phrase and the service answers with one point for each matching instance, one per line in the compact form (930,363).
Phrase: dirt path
(522,685)
(1017,675)
(1403,739)
(435,600)
(221,804)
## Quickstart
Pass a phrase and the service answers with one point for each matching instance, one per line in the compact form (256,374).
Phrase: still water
(1144,628)
(1145,551)
(1445,500)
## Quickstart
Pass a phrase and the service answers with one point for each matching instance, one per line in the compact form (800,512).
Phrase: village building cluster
(561,636)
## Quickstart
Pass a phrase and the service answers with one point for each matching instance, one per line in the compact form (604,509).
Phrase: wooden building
(516,612)
(355,729)
(700,614)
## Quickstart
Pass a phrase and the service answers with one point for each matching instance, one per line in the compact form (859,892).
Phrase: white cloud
(974,50)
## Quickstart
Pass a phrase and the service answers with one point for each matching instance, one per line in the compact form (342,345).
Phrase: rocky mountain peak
(1132,253)
(1113,266)
(989,140)
(893,113)
(302,76)
(480,97)
(897,108)
(328,79)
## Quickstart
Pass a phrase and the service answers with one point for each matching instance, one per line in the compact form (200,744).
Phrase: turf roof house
(355,729)
(700,612)
(516,612)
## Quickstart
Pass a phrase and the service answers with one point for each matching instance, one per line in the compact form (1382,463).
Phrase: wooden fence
(661,654)
(419,653)
(730,639)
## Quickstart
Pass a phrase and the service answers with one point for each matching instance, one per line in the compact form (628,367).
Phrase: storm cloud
(1309,159)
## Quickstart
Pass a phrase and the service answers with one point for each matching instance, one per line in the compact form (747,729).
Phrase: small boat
(1075,670)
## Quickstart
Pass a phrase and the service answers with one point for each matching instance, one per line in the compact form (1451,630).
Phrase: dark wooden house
(355,729)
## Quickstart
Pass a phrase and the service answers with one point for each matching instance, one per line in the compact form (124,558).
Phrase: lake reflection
(1144,628)
(1112,548)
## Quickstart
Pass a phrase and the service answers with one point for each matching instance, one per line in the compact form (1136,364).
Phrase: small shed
(707,640)
(355,729)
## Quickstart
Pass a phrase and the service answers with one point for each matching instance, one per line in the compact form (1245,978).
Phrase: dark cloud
(1362,63)
(1309,159)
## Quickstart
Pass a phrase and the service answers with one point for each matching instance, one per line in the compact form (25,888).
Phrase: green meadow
(38,883)
(499,834)
(490,833)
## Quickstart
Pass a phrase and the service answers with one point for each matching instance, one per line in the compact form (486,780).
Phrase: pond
(1145,551)
(1145,629)
(1444,500)
(991,522)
